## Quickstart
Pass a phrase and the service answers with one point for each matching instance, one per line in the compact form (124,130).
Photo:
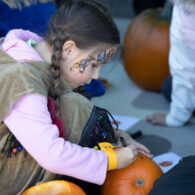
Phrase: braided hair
(87,23)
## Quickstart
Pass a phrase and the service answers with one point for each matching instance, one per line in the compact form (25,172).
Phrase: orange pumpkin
(146,49)
(136,179)
(57,187)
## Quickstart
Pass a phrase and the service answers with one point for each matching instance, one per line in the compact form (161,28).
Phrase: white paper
(124,122)
(171,157)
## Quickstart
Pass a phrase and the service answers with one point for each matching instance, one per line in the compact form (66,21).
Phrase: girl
(37,100)
(37,13)
(181,60)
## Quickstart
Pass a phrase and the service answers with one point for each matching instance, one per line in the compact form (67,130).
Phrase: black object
(180,180)
(98,129)
(136,134)
(122,140)
(141,5)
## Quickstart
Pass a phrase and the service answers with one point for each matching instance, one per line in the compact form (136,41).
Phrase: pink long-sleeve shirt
(30,122)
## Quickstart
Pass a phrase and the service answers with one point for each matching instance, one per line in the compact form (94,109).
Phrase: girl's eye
(94,65)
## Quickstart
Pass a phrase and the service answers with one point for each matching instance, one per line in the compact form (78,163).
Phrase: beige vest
(17,79)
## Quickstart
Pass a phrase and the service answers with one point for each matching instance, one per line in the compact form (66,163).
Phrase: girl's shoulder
(76,100)
(20,73)
(18,79)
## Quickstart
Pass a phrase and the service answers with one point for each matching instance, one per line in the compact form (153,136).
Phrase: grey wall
(119,8)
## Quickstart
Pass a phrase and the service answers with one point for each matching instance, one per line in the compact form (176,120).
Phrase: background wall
(128,8)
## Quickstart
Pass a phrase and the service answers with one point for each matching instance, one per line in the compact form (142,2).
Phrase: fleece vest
(21,171)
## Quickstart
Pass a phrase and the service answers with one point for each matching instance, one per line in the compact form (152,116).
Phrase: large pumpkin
(57,187)
(136,179)
(146,49)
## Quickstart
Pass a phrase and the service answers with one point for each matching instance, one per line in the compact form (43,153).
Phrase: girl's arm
(31,124)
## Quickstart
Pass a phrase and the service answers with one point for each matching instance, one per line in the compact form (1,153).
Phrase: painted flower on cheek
(83,64)
(102,58)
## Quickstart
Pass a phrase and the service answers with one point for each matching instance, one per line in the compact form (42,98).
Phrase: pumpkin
(57,187)
(136,179)
(146,48)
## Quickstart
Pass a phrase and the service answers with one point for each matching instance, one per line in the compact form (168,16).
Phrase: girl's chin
(74,86)
(88,82)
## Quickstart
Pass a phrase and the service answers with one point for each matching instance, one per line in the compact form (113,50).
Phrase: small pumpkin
(57,187)
(136,179)
(146,48)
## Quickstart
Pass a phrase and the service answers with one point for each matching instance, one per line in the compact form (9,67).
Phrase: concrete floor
(125,98)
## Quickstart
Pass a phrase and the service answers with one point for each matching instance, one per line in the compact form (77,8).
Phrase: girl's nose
(96,74)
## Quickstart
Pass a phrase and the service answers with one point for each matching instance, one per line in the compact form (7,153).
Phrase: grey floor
(125,98)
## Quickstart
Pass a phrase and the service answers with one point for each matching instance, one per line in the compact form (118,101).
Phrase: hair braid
(54,91)
(85,22)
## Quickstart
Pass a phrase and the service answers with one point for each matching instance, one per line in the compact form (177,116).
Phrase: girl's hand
(157,119)
(129,141)
(125,156)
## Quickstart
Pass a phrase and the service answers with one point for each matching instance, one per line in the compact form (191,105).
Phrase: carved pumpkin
(136,179)
(57,187)
(146,49)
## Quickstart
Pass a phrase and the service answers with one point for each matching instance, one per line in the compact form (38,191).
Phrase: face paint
(103,58)
(82,64)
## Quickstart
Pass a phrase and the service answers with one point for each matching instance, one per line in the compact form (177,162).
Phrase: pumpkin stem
(167,11)
(139,182)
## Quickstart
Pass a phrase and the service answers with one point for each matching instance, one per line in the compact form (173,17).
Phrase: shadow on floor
(151,101)
(156,144)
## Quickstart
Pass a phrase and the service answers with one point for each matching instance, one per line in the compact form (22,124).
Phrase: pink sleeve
(30,122)
(15,45)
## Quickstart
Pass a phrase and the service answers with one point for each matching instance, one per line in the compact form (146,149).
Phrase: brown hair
(87,23)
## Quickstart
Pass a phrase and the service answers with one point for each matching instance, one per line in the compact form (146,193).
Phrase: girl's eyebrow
(102,57)
(92,58)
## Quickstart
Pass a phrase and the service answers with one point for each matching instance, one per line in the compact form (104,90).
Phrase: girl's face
(79,67)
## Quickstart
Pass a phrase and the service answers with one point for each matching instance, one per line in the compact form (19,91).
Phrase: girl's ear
(68,48)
